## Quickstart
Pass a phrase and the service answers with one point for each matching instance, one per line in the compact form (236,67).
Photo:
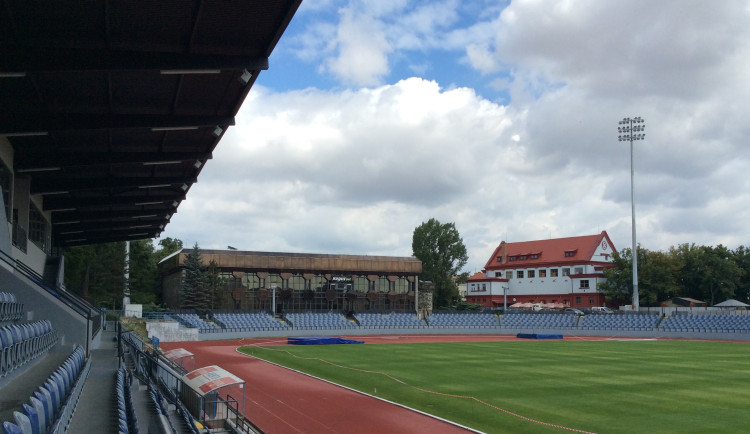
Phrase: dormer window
(534,256)
(570,253)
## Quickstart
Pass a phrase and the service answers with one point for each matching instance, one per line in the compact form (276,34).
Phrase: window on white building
(509,274)
(579,270)
(584,284)
(566,271)
(553,272)
(542,273)
(532,273)
(519,274)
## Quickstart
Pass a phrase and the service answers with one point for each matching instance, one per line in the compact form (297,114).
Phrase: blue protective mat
(321,340)
(538,336)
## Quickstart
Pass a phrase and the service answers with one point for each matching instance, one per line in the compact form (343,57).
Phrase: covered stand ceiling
(113,108)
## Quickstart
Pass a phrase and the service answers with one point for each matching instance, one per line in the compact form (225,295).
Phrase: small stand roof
(209,378)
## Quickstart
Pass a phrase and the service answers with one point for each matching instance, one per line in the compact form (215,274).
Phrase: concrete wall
(172,332)
(39,305)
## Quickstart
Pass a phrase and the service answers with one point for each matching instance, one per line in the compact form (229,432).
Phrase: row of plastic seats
(249,321)
(50,402)
(156,399)
(539,320)
(389,320)
(472,319)
(186,417)
(195,321)
(719,323)
(319,320)
(21,343)
(10,308)
(127,422)
(160,409)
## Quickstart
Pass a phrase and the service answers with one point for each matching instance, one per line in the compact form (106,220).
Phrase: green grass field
(595,386)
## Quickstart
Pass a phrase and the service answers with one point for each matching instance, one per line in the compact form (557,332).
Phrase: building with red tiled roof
(561,271)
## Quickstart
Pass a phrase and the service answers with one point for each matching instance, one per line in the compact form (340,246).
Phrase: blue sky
(432,50)
(500,117)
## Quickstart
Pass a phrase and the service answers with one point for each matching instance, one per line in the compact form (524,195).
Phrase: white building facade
(562,272)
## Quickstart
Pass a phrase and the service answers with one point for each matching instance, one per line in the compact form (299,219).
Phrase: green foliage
(143,276)
(443,254)
(710,274)
(540,386)
(168,246)
(96,273)
(194,291)
(464,306)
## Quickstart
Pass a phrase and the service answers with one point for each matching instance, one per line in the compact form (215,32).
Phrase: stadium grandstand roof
(248,261)
(113,108)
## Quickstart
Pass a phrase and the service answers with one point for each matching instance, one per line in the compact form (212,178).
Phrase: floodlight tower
(630,130)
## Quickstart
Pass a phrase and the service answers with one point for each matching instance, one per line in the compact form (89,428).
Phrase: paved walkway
(95,412)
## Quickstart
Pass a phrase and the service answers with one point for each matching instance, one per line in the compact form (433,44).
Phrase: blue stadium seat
(54,394)
(10,428)
(24,423)
(44,397)
(41,413)
(33,417)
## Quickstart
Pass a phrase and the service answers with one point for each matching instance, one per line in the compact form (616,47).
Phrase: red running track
(279,400)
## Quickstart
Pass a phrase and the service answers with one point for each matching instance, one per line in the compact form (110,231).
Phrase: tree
(168,246)
(618,286)
(721,275)
(657,277)
(193,293)
(143,274)
(97,272)
(689,260)
(443,253)
(742,259)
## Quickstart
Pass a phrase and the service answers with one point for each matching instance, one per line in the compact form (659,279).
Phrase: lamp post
(630,130)
(505,299)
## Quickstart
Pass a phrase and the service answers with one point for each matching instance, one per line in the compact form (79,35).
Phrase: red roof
(558,250)
(477,275)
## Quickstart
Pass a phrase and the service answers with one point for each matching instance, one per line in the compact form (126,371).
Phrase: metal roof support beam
(52,186)
(131,217)
(43,123)
(46,159)
(53,203)
(34,59)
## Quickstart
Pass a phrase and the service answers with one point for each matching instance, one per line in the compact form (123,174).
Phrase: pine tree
(194,294)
